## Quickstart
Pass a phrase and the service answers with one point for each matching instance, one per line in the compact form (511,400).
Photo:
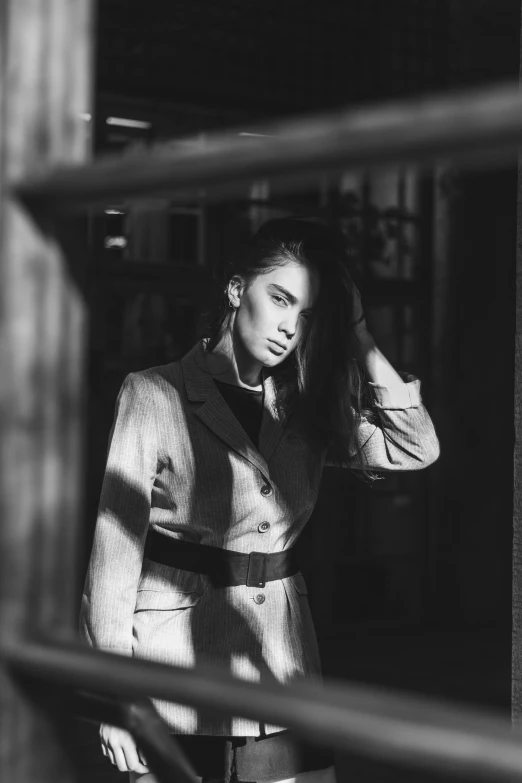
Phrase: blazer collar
(216,414)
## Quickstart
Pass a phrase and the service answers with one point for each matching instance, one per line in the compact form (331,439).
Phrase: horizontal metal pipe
(368,721)
(164,756)
(469,125)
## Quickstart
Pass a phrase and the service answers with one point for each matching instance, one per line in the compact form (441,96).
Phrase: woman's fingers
(132,758)
(119,760)
(125,757)
(130,752)
(120,748)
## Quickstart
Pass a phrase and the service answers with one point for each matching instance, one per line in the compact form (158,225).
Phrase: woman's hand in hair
(121,750)
(364,342)
(358,318)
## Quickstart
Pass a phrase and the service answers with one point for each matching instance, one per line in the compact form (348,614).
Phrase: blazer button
(259,598)
(263,527)
(266,490)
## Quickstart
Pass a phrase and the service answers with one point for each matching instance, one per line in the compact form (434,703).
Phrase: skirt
(260,759)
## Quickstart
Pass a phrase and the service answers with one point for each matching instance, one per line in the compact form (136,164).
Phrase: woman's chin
(272,360)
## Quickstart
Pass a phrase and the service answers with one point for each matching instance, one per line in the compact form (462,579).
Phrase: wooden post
(45,48)
(440,601)
(516,690)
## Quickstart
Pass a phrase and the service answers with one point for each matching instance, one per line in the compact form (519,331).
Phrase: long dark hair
(322,392)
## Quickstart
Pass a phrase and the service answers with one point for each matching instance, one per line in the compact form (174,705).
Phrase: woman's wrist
(377,368)
(365,341)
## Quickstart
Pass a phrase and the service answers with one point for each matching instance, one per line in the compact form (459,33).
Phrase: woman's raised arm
(401,435)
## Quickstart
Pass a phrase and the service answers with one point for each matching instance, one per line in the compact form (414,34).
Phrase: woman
(222,453)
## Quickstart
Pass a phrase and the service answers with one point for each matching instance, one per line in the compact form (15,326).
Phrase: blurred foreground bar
(472,126)
(378,724)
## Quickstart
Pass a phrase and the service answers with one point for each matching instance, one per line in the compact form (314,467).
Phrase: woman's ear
(235,290)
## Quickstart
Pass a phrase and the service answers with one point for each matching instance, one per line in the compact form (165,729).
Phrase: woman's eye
(280,298)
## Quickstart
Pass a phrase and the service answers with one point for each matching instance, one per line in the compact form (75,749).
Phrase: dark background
(410,582)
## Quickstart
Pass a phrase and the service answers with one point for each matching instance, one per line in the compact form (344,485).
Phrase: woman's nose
(289,328)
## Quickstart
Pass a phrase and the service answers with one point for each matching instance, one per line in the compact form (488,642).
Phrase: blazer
(181,463)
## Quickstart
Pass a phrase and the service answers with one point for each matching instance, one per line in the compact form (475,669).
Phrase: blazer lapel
(218,417)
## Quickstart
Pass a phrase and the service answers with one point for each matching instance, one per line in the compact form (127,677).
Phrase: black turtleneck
(246,405)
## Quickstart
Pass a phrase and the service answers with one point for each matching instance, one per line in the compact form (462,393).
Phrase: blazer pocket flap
(165,600)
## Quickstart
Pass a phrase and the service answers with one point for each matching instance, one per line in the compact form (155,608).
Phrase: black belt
(225,567)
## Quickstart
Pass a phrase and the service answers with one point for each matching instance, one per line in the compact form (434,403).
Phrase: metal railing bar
(466,125)
(368,721)
(164,755)
(162,751)
(93,707)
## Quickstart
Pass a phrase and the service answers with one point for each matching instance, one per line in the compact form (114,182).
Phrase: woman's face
(272,313)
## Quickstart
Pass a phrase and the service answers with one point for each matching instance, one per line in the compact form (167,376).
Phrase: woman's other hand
(121,750)
(358,319)
(364,342)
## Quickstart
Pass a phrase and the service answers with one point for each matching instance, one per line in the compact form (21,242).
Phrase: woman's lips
(275,348)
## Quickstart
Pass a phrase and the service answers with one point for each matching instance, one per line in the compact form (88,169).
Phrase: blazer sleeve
(109,597)
(401,435)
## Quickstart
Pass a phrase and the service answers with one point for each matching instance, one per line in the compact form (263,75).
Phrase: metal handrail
(466,125)
(462,124)
(368,721)
(164,756)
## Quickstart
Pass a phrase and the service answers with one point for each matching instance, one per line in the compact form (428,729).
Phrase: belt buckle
(256,574)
